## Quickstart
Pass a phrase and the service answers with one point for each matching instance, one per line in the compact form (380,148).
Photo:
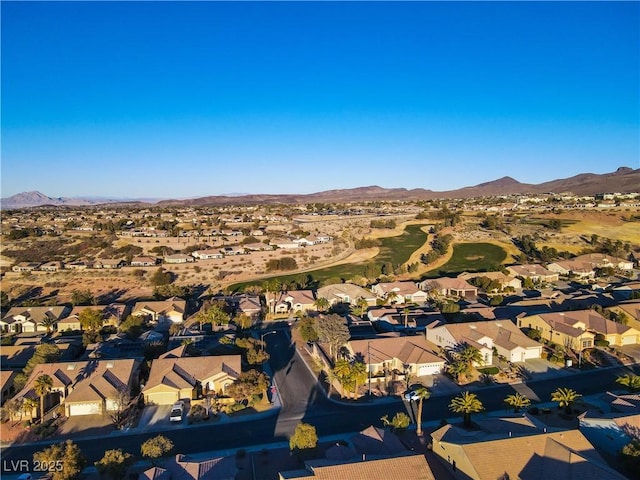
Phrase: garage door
(428,370)
(629,340)
(84,409)
(162,398)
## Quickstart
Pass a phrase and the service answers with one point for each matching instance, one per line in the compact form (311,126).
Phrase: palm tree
(322,304)
(457,370)
(470,355)
(48,323)
(392,297)
(28,404)
(405,310)
(342,371)
(565,397)
(423,394)
(517,401)
(362,305)
(359,375)
(630,381)
(42,387)
(466,403)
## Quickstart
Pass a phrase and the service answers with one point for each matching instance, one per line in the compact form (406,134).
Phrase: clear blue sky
(187,99)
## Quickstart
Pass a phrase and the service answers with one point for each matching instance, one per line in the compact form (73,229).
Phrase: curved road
(304,400)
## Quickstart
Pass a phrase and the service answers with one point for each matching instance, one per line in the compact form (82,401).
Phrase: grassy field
(471,257)
(396,250)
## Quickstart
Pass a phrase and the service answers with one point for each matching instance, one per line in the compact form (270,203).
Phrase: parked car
(177,411)
(411,395)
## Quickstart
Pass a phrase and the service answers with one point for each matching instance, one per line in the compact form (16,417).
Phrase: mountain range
(623,180)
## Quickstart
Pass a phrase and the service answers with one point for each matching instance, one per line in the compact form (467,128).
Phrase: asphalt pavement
(304,400)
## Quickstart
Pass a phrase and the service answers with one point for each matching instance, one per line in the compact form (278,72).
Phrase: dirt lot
(123,284)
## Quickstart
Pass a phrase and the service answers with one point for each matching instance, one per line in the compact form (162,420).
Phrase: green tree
(132,326)
(400,421)
(457,369)
(629,458)
(114,464)
(65,458)
(469,355)
(466,403)
(517,401)
(248,384)
(358,375)
(423,394)
(630,381)
(304,437)
(161,277)
(11,408)
(243,321)
(332,330)
(254,351)
(156,448)
(91,320)
(306,325)
(42,386)
(565,398)
(361,306)
(48,323)
(342,371)
(4,300)
(213,314)
(322,304)
(82,297)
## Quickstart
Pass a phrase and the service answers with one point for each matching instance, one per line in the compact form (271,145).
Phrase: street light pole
(264,335)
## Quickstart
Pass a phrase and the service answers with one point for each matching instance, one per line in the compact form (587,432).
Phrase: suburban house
(609,432)
(187,468)
(577,329)
(249,305)
(144,261)
(399,292)
(499,277)
(284,244)
(345,293)
(602,260)
(502,335)
(25,267)
(574,268)
(7,388)
(16,356)
(172,379)
(112,315)
(207,254)
(413,467)
(395,319)
(450,287)
(32,319)
(110,263)
(535,272)
(631,311)
(233,251)
(178,258)
(412,355)
(170,310)
(294,301)
(86,388)
(524,450)
(54,266)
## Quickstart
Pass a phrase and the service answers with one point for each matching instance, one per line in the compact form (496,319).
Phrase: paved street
(304,401)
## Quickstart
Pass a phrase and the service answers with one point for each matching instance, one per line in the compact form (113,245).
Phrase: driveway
(156,416)
(538,368)
(439,384)
(631,350)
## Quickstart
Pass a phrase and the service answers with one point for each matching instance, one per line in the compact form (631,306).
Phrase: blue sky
(163,99)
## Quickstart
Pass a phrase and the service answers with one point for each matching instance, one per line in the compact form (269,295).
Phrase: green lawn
(396,250)
(471,257)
